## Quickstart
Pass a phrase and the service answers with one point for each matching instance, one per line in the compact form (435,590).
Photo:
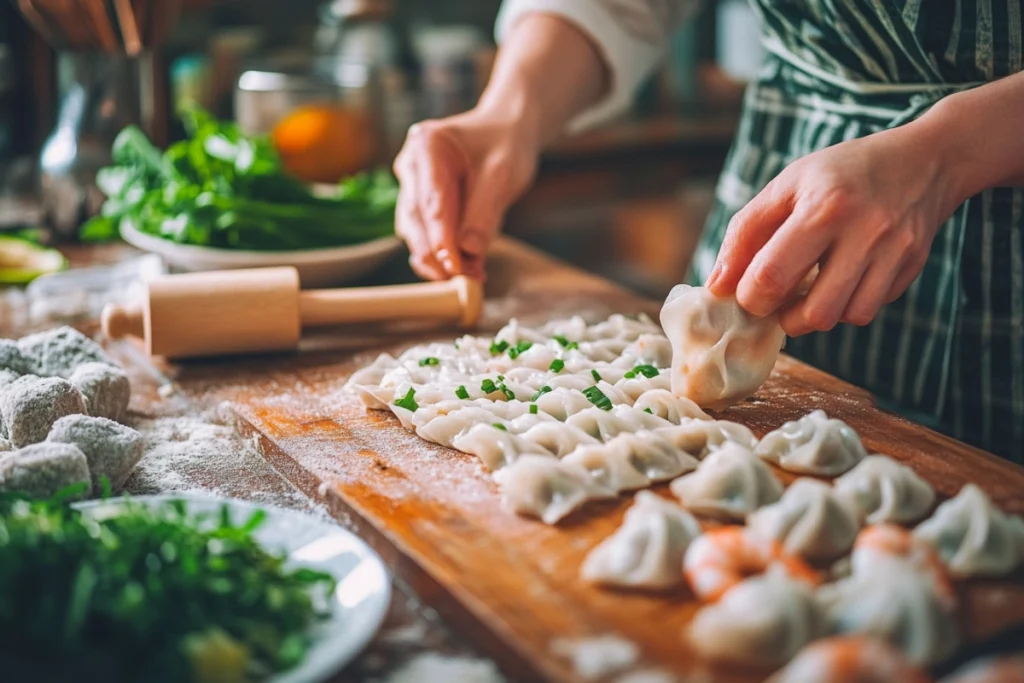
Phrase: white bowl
(317,267)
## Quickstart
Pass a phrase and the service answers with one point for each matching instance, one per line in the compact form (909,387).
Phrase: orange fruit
(323,143)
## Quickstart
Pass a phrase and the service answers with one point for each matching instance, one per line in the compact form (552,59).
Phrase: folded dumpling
(632,461)
(664,404)
(814,444)
(610,466)
(496,448)
(882,490)
(650,349)
(720,353)
(655,456)
(605,424)
(700,437)
(558,438)
(892,601)
(762,621)
(851,659)
(809,520)
(730,483)
(647,550)
(561,403)
(547,488)
(974,537)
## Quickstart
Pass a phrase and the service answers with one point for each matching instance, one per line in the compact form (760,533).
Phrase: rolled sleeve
(630,59)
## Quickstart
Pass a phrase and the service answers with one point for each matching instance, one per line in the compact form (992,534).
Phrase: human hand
(458,177)
(866,211)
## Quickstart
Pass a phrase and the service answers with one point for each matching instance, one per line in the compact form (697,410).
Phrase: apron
(950,352)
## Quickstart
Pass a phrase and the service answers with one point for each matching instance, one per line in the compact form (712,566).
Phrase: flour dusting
(597,657)
(435,668)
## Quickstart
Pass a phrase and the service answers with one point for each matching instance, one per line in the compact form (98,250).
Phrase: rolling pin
(263,310)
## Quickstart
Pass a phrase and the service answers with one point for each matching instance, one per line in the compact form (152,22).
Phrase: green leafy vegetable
(408,401)
(461,392)
(430,360)
(219,188)
(557,365)
(597,397)
(152,594)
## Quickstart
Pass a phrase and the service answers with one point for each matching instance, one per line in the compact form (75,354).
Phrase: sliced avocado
(22,261)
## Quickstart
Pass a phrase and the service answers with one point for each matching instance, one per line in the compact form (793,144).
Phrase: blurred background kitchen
(336,84)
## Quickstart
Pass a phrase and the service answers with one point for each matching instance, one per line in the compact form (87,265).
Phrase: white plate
(364,586)
(317,267)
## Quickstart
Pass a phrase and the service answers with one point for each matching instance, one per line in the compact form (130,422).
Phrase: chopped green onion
(488,386)
(540,392)
(430,360)
(461,392)
(519,348)
(557,365)
(498,347)
(562,341)
(533,409)
(498,425)
(501,378)
(595,375)
(630,375)
(647,371)
(648,411)
(508,392)
(571,345)
(408,401)
(597,397)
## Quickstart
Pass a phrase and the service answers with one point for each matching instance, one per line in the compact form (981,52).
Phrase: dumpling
(814,444)
(700,437)
(618,326)
(809,520)
(506,410)
(547,488)
(524,423)
(730,484)
(444,428)
(365,380)
(495,447)
(974,537)
(668,407)
(650,349)
(558,438)
(600,424)
(647,550)
(654,455)
(881,544)
(850,659)
(882,490)
(635,387)
(561,403)
(891,602)
(720,353)
(762,621)
(610,466)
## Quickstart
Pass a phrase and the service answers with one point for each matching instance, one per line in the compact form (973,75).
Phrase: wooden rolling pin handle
(120,321)
(458,300)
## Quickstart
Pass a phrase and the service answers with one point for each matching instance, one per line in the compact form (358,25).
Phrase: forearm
(982,134)
(547,71)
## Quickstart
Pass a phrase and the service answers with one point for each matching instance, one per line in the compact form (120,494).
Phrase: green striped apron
(949,352)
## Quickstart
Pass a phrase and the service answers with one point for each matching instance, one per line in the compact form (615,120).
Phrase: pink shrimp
(850,659)
(889,540)
(719,559)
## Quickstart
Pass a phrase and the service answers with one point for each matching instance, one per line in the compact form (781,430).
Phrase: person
(881,140)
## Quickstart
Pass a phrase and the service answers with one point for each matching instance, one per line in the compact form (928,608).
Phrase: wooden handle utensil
(263,310)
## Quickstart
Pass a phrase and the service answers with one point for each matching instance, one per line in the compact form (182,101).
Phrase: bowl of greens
(181,588)
(220,200)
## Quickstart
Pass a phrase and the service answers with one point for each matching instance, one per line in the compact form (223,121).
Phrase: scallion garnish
(498,425)
(648,411)
(498,347)
(647,371)
(408,401)
(556,365)
(519,348)
(461,392)
(597,397)
(540,392)
(533,409)
(595,375)
(488,386)
(429,360)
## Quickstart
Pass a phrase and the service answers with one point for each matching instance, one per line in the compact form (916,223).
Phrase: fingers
(409,226)
(749,230)
(826,302)
(485,207)
(438,170)
(873,290)
(773,275)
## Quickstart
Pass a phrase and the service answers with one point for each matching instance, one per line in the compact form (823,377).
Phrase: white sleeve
(631,35)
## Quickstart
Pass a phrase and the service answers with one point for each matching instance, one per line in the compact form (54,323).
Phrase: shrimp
(721,558)
(889,540)
(850,659)
(993,669)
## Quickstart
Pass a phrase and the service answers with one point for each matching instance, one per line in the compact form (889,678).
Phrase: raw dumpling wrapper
(974,537)
(720,353)
(675,409)
(647,550)
(495,447)
(632,461)
(730,483)
(814,444)
(547,488)
(882,490)
(700,437)
(809,520)
(764,621)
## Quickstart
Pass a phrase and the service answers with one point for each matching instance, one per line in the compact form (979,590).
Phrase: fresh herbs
(408,401)
(498,347)
(519,348)
(565,343)
(648,411)
(540,392)
(219,188)
(557,365)
(596,375)
(498,425)
(647,371)
(533,409)
(597,397)
(461,392)
(152,594)
(489,386)
(430,360)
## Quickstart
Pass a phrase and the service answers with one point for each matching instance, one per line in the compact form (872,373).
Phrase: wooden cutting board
(508,583)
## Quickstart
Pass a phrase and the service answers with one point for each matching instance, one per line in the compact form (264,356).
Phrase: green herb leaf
(408,401)
(597,397)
